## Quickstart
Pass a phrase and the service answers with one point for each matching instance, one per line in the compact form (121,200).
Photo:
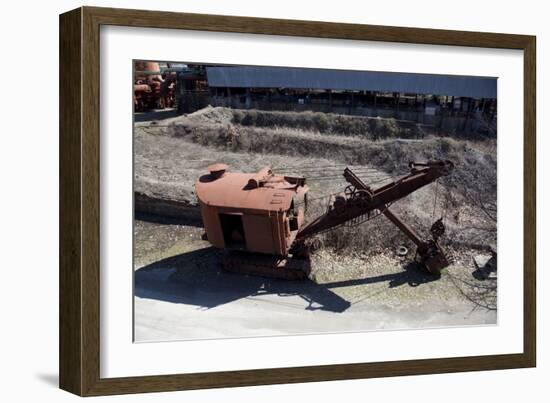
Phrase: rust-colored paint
(143,65)
(212,226)
(153,89)
(263,212)
(259,224)
(263,202)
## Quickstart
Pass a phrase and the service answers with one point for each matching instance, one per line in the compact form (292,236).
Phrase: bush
(328,123)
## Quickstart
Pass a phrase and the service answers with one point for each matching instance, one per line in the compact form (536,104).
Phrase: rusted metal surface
(360,199)
(264,212)
(404,227)
(254,212)
(429,253)
(153,89)
(144,65)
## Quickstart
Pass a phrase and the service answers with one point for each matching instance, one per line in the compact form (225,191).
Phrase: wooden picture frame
(79,201)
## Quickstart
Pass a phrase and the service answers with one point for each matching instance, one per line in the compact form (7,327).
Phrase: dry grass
(387,155)
(329,123)
(319,122)
(247,139)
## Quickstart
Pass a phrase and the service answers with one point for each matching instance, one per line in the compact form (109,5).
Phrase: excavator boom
(360,199)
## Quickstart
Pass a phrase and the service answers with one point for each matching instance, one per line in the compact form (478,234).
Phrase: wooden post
(493,109)
(397,99)
(248,99)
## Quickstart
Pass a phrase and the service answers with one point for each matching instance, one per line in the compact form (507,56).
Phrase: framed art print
(251,201)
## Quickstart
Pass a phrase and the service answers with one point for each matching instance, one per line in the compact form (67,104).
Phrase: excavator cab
(255,212)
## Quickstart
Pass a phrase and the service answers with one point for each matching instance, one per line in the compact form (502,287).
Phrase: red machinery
(263,213)
(153,88)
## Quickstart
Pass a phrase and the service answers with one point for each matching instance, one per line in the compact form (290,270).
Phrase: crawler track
(265,265)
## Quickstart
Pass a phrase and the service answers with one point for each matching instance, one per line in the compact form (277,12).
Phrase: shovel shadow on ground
(155,114)
(413,275)
(195,278)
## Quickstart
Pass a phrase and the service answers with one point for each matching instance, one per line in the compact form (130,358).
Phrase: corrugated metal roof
(293,77)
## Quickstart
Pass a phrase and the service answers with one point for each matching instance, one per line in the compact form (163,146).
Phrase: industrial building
(452,103)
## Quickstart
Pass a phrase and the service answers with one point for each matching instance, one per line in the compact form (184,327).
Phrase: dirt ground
(181,293)
(357,281)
